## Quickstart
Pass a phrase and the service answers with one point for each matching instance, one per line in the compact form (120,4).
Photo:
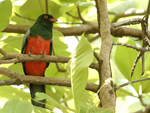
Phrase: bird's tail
(37,88)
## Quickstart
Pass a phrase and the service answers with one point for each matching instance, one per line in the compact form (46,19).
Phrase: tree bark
(107,94)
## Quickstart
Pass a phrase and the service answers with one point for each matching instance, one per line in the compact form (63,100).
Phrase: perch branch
(17,58)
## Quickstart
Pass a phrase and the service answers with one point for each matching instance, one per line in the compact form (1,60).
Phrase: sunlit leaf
(60,48)
(80,61)
(5,13)
(50,101)
(59,10)
(38,9)
(17,106)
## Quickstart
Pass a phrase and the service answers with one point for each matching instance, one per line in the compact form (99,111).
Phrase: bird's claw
(29,53)
(43,55)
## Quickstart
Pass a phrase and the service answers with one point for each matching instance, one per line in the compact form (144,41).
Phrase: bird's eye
(46,17)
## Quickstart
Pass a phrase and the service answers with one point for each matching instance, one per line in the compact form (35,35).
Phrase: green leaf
(12,44)
(15,93)
(86,3)
(50,101)
(146,84)
(68,1)
(80,61)
(85,108)
(54,9)
(117,6)
(37,10)
(5,13)
(60,48)
(59,10)
(17,106)
(110,1)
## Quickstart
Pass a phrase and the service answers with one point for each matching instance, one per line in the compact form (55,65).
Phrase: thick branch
(18,79)
(89,27)
(107,94)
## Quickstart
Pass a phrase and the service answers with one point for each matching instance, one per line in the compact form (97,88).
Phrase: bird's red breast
(37,46)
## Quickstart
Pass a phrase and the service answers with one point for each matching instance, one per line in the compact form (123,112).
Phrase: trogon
(38,41)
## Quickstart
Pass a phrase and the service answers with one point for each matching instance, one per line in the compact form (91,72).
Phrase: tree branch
(80,16)
(135,63)
(17,58)
(107,95)
(141,100)
(17,79)
(89,27)
(131,82)
(142,49)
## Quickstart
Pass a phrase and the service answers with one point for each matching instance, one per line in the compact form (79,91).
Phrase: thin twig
(143,64)
(80,16)
(72,15)
(131,46)
(99,64)
(131,82)
(141,100)
(135,63)
(46,5)
(24,17)
(127,22)
(68,23)
(2,52)
(148,11)
(144,25)
(60,70)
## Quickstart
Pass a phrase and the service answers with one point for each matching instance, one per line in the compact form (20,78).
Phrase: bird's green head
(43,26)
(46,19)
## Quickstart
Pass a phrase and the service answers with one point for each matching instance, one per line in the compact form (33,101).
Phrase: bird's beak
(53,19)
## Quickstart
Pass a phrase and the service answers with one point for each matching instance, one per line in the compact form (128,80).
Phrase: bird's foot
(43,55)
(29,53)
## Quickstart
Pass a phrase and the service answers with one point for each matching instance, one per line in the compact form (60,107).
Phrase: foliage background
(122,58)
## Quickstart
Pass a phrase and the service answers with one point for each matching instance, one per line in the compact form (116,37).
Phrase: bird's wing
(50,51)
(25,42)
(24,46)
(51,47)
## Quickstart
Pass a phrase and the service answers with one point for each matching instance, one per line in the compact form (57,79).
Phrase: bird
(38,41)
